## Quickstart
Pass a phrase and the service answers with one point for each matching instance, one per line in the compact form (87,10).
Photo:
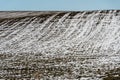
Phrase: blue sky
(58,5)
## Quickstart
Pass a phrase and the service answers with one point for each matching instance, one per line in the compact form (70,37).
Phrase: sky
(58,5)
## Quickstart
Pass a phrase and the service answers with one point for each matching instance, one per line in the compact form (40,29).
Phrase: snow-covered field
(60,45)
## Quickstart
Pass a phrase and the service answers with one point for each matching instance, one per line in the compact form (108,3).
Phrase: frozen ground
(60,45)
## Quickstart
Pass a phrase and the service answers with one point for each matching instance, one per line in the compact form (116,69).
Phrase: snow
(86,40)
